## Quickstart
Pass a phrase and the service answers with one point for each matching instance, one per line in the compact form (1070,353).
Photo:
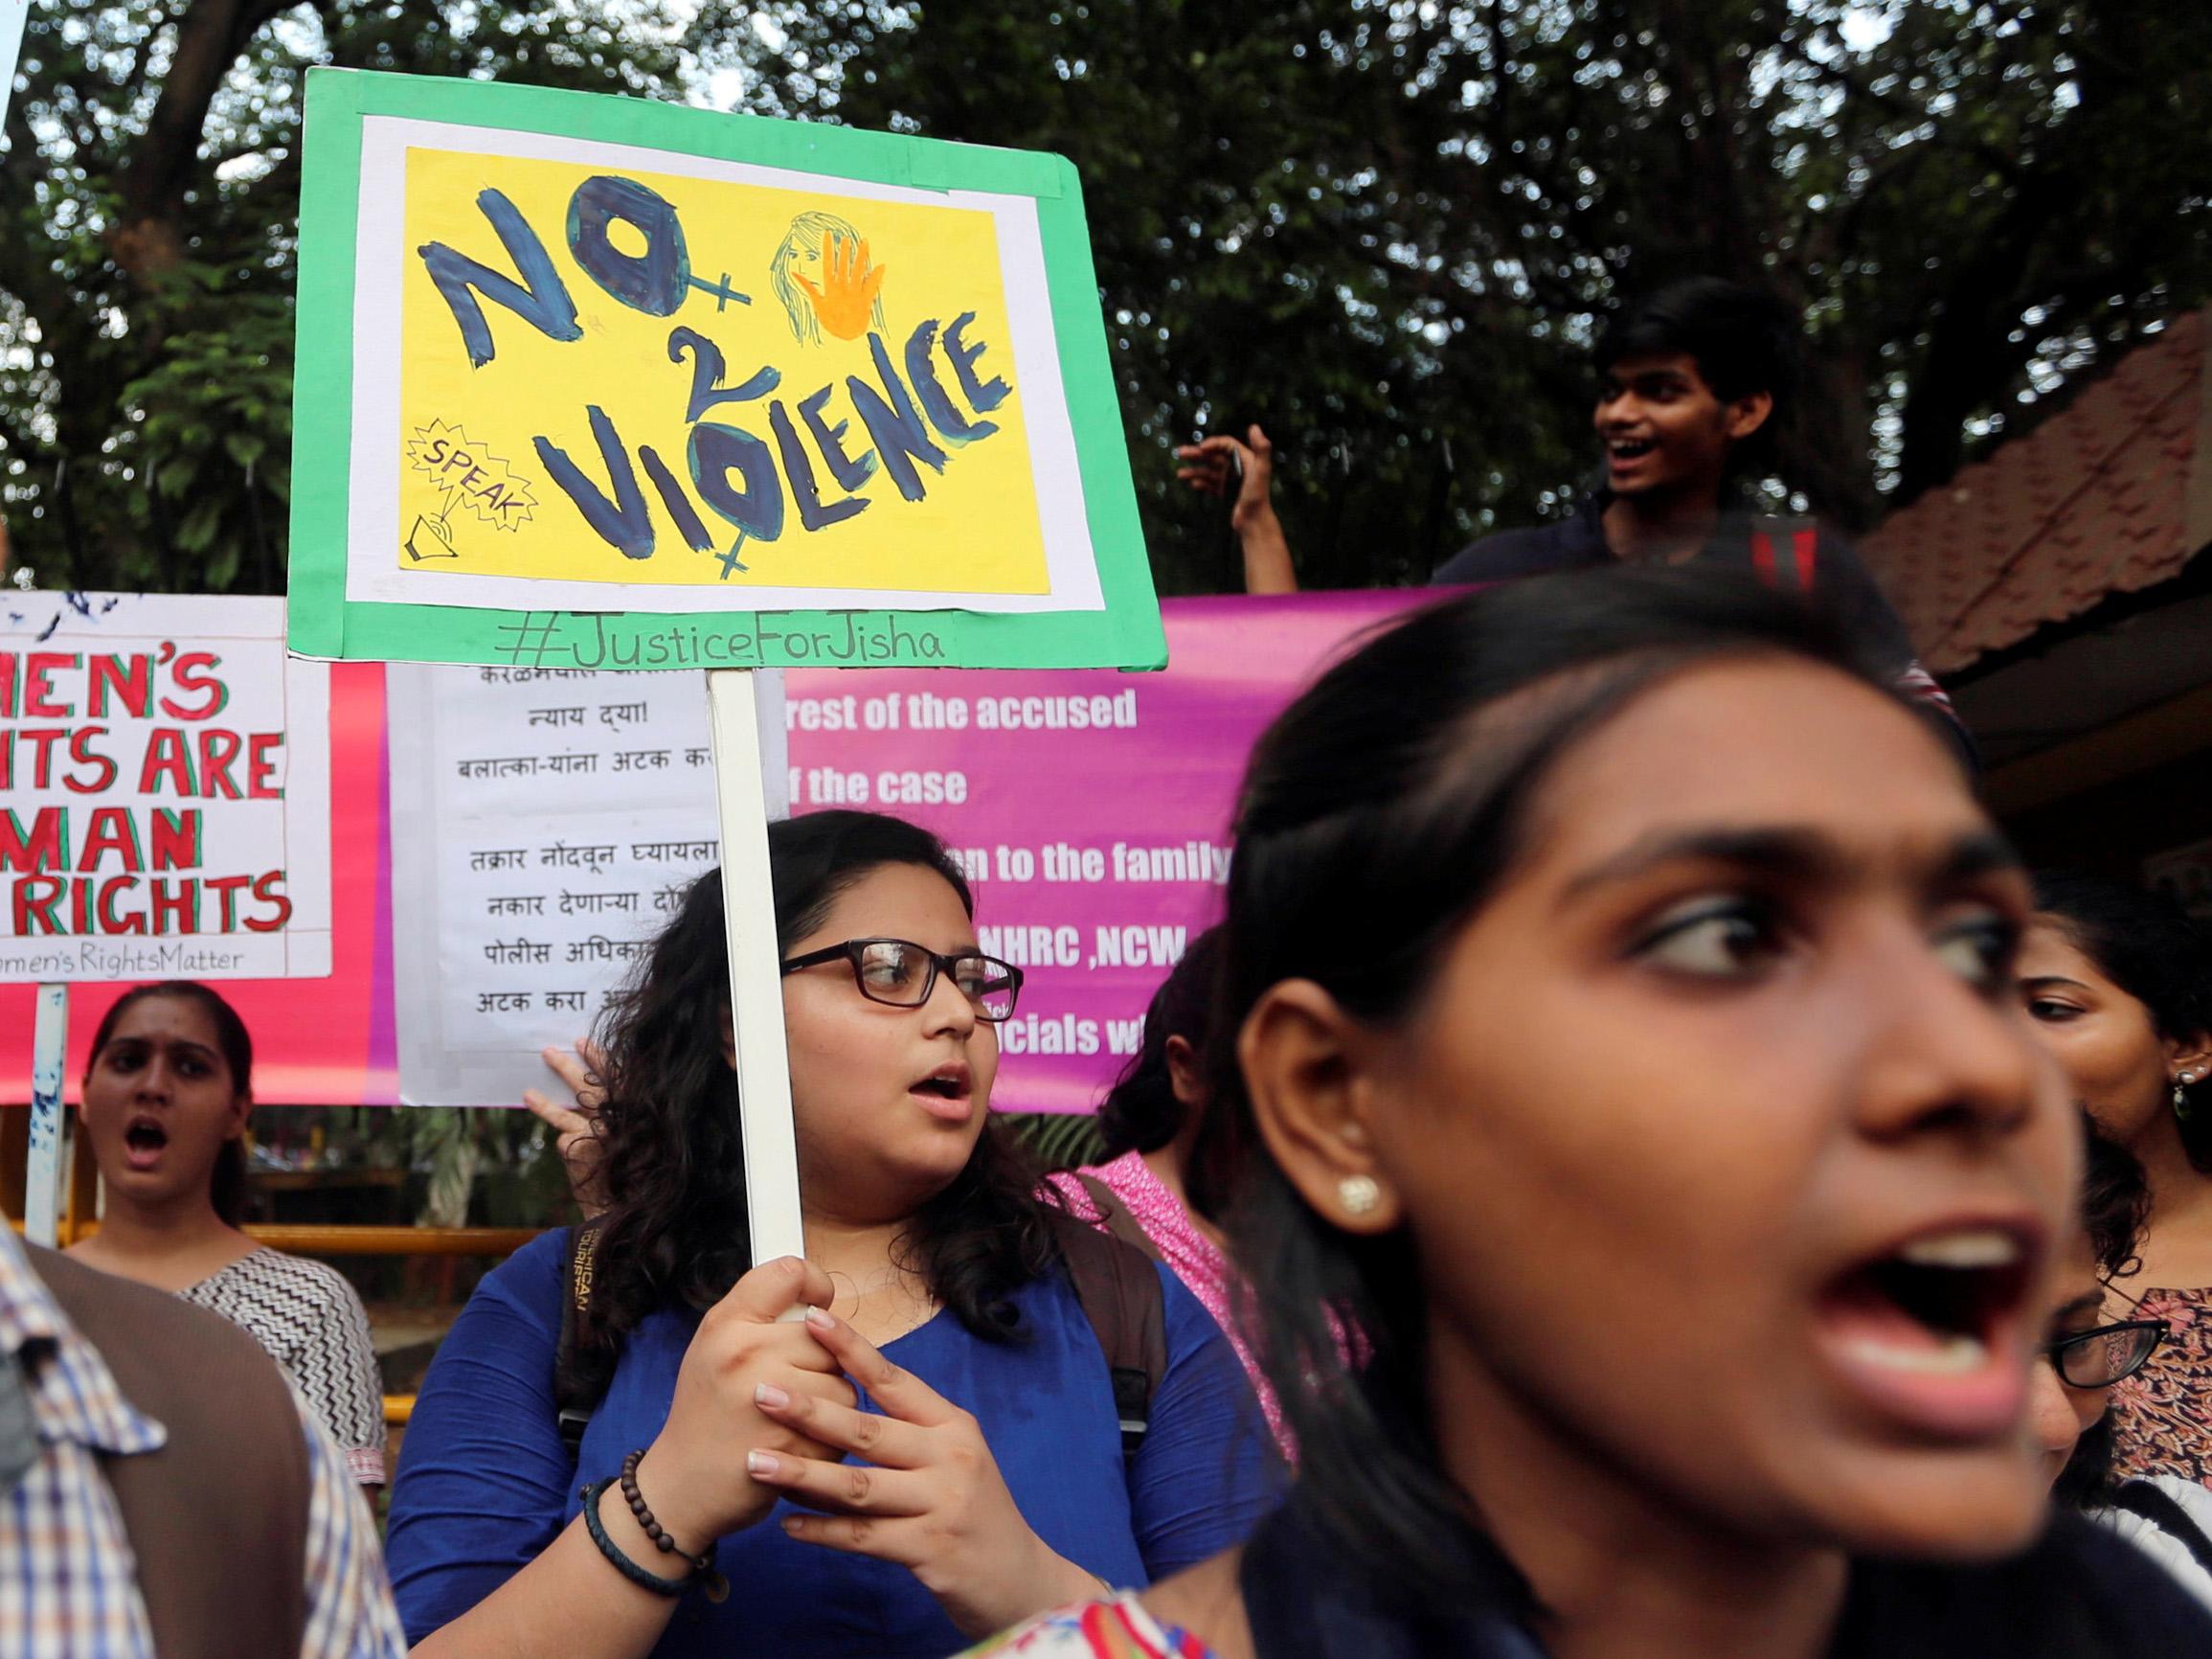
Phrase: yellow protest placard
(602,382)
(619,376)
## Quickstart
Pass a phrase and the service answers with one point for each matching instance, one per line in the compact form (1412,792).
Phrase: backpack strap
(2142,1498)
(578,1385)
(1114,1215)
(1799,538)
(1119,1286)
(218,1517)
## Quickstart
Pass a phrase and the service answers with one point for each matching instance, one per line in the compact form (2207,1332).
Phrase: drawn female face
(2105,1041)
(887,1102)
(1729,1158)
(801,252)
(160,1103)
(798,272)
(793,253)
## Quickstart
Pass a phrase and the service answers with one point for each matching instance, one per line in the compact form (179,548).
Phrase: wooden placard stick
(756,969)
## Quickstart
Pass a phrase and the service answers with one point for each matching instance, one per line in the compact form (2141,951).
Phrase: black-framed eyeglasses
(2107,1354)
(901,973)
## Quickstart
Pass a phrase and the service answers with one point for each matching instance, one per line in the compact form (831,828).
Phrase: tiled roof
(2110,496)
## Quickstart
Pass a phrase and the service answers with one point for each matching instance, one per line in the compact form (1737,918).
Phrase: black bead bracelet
(703,1574)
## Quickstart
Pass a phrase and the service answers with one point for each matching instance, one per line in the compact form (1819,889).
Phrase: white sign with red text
(165,790)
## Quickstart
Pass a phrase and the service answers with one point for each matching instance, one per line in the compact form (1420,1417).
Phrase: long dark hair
(674,1160)
(2147,945)
(2115,1208)
(1381,811)
(227,1183)
(1141,1113)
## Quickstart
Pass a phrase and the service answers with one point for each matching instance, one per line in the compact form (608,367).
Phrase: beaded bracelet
(702,1565)
(704,1573)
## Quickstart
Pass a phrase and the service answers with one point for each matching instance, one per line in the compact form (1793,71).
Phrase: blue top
(484,1482)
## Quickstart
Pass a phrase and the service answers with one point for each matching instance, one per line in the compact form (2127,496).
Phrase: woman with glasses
(902,1443)
(2118,983)
(2097,1339)
(1619,1016)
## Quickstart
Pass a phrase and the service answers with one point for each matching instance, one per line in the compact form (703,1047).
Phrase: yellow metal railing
(341,1240)
(338,1240)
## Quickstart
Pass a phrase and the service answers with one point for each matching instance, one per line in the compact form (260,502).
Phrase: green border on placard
(324,622)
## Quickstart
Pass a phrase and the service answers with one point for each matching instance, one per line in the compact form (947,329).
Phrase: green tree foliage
(1383,228)
(1389,228)
(152,191)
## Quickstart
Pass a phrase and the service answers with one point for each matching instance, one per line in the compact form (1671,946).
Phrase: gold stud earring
(1359,1195)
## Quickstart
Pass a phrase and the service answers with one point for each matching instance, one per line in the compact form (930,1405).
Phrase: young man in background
(1692,381)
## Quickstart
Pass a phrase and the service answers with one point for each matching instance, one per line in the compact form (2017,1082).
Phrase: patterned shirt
(2163,1415)
(312,1324)
(68,1579)
(1115,1629)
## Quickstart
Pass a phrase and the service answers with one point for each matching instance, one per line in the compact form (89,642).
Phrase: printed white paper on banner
(165,790)
(543,828)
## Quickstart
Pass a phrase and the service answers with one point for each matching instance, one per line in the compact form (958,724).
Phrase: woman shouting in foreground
(1620,1029)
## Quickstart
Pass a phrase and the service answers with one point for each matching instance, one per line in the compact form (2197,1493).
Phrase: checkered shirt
(67,1580)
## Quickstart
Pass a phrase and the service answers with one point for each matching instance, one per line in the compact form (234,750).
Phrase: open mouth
(1629,448)
(947,1092)
(143,1140)
(1929,1332)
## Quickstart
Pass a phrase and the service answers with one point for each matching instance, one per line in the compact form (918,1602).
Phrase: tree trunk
(148,236)
(1970,358)
(1824,448)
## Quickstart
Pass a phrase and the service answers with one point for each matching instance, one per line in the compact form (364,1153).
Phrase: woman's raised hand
(693,1477)
(576,1126)
(929,1497)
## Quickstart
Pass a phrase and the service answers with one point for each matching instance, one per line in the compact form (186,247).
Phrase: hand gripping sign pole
(755,970)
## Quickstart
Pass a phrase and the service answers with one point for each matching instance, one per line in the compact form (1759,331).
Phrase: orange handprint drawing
(823,274)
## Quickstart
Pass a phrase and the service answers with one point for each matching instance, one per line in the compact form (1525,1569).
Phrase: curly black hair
(2116,1203)
(674,1161)
(2115,1208)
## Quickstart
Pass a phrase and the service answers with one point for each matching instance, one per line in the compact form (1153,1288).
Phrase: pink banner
(318,1042)
(1091,808)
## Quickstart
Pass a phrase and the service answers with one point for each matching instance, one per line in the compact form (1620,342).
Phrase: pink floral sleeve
(1115,1629)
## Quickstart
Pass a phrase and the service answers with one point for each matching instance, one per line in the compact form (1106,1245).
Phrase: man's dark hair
(1743,339)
